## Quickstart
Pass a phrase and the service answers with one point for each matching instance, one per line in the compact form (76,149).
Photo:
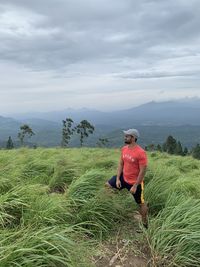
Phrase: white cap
(133,132)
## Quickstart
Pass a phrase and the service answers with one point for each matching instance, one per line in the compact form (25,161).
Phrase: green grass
(174,233)
(173,190)
(54,208)
(48,246)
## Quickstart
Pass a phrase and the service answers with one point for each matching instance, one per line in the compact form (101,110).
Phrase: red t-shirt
(133,158)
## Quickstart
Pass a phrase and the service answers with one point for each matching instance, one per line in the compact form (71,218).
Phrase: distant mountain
(172,113)
(167,113)
(57,116)
(8,125)
(155,120)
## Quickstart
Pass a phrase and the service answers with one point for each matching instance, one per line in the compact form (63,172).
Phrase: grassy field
(55,211)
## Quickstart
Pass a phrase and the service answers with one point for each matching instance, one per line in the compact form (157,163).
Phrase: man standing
(131,171)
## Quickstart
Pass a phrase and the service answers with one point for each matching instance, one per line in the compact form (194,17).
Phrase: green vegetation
(55,211)
(9,144)
(25,130)
(67,131)
(174,147)
(102,142)
(196,152)
(84,129)
(173,190)
(171,146)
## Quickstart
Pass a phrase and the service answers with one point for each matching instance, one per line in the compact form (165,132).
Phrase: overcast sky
(102,54)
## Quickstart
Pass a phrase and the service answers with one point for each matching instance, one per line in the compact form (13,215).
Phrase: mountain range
(179,117)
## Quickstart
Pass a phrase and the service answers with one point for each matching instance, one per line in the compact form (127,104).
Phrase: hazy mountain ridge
(155,120)
(185,111)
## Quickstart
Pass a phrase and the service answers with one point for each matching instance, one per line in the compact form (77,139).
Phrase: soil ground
(127,247)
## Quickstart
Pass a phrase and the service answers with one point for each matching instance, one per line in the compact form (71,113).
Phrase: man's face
(128,139)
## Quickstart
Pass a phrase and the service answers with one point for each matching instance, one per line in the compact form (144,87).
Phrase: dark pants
(138,196)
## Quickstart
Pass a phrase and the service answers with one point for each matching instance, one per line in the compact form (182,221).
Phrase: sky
(99,54)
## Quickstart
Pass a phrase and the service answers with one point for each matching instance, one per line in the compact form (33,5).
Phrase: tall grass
(41,227)
(86,185)
(174,234)
(63,174)
(38,226)
(174,192)
(46,210)
(96,207)
(11,208)
(48,246)
(159,186)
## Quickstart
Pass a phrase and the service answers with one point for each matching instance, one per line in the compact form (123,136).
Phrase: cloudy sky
(102,54)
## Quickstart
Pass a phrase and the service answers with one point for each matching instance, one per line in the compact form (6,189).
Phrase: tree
(84,128)
(170,145)
(9,144)
(185,151)
(25,130)
(151,147)
(164,147)
(67,131)
(102,142)
(179,149)
(196,152)
(159,148)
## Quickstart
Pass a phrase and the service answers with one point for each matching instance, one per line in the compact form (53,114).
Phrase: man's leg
(108,185)
(112,182)
(143,209)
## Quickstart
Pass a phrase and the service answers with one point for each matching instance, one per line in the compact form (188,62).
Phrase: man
(131,171)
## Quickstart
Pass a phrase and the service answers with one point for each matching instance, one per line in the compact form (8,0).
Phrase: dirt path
(127,247)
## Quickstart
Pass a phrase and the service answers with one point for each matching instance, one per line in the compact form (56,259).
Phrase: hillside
(155,120)
(55,211)
(49,135)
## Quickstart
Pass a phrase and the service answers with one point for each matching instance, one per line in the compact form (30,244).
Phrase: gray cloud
(157,74)
(76,44)
(65,32)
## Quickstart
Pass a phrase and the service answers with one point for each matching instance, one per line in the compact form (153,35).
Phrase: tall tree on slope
(84,129)
(25,130)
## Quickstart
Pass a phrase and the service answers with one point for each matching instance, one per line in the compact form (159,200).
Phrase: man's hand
(118,183)
(133,188)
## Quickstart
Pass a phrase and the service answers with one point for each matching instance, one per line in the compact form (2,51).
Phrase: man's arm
(139,179)
(119,172)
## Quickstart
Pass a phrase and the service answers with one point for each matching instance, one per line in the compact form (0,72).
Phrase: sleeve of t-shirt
(142,159)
